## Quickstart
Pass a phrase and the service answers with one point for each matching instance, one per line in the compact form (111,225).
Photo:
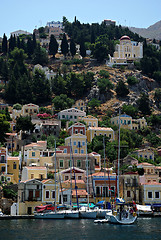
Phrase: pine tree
(72,48)
(53,46)
(29,47)
(4,44)
(64,45)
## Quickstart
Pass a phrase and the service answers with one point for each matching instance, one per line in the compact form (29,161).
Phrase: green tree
(24,124)
(104,85)
(143,104)
(40,56)
(4,44)
(64,45)
(82,49)
(4,127)
(121,89)
(72,48)
(53,46)
(94,103)
(131,80)
(130,110)
(99,51)
(17,106)
(62,102)
(40,88)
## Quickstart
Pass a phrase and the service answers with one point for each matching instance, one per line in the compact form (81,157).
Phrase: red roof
(79,192)
(125,38)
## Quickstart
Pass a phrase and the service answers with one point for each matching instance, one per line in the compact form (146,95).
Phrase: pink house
(77,128)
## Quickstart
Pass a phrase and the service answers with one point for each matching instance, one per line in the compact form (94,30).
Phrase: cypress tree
(64,45)
(53,46)
(29,47)
(72,48)
(18,42)
(4,44)
(34,41)
(82,49)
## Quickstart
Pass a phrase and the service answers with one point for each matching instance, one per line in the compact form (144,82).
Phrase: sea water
(47,229)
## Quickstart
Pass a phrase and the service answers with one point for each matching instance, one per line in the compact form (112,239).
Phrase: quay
(9,217)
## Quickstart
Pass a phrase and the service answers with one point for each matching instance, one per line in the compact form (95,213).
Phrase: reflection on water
(39,229)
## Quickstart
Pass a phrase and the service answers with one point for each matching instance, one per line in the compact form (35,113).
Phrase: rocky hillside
(154,31)
(111,101)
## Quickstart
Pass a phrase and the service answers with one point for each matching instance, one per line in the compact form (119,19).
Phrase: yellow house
(97,131)
(97,159)
(80,104)
(9,167)
(139,123)
(33,192)
(146,153)
(150,193)
(49,191)
(90,121)
(27,110)
(34,172)
(29,196)
(125,121)
(13,169)
(77,142)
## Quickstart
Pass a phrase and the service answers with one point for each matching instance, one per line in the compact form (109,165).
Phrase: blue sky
(28,14)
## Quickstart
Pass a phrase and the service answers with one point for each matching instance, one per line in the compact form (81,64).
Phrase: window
(129,122)
(33,154)
(75,151)
(81,131)
(66,178)
(3,169)
(128,194)
(79,177)
(69,163)
(109,135)
(32,176)
(76,131)
(78,163)
(82,151)
(74,143)
(47,194)
(94,124)
(14,166)
(125,122)
(150,195)
(90,124)
(65,199)
(2,159)
(53,194)
(65,150)
(83,143)
(97,191)
(61,163)
(156,194)
(105,191)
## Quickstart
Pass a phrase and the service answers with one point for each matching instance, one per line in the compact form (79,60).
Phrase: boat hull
(51,215)
(124,221)
(88,214)
(71,214)
(101,213)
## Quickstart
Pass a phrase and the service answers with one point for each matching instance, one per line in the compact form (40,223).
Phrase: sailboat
(85,211)
(70,213)
(120,216)
(101,212)
(51,214)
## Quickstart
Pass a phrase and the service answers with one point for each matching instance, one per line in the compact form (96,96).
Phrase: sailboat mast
(104,170)
(87,174)
(118,166)
(55,176)
(70,173)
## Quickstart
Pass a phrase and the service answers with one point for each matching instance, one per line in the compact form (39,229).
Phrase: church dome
(124,38)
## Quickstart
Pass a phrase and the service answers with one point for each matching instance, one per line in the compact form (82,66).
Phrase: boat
(144,210)
(121,219)
(70,213)
(85,211)
(51,214)
(120,215)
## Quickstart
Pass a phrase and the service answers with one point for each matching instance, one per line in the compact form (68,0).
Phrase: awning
(143,208)
(156,205)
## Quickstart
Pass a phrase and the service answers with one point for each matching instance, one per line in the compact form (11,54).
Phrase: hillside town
(74,122)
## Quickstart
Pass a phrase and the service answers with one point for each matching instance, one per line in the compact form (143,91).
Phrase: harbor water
(44,229)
